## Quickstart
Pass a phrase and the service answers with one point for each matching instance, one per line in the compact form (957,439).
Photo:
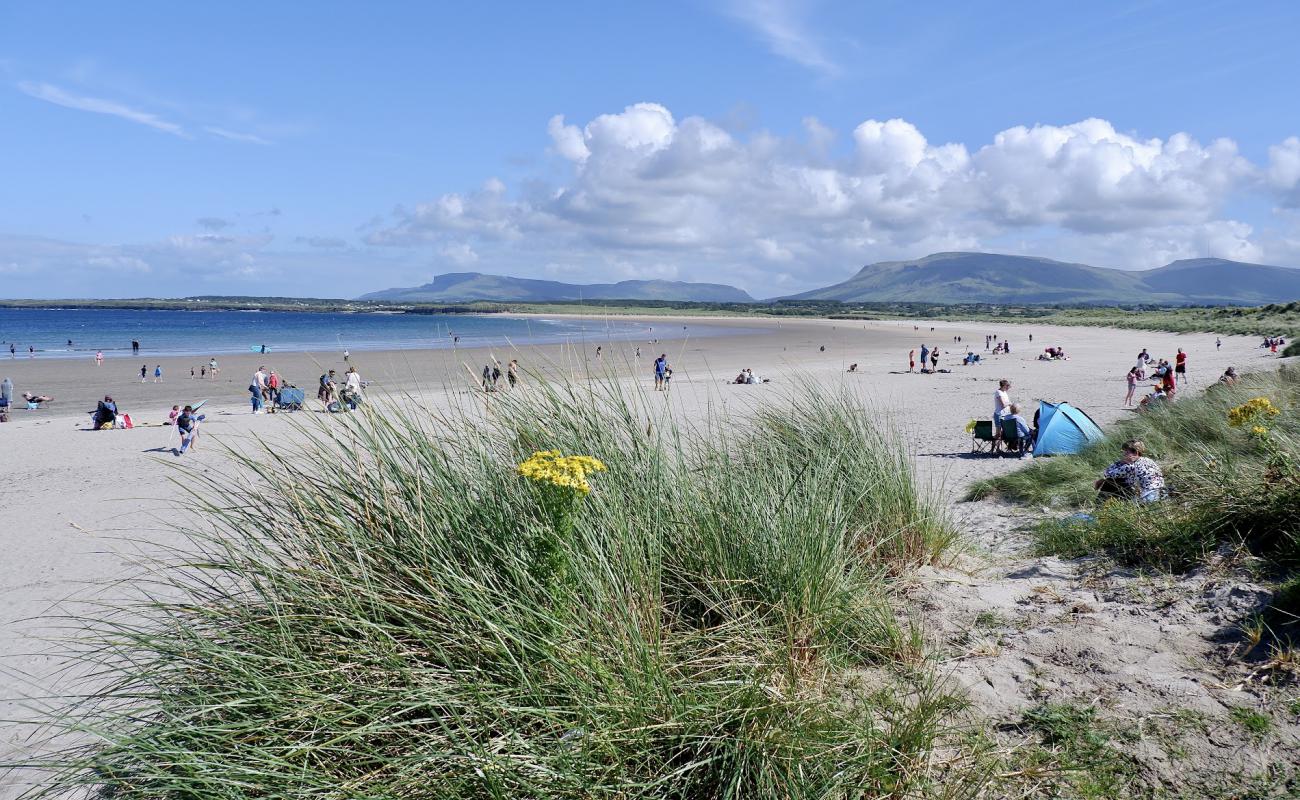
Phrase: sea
(209,333)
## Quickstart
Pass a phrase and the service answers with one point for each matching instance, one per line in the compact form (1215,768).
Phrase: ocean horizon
(169,333)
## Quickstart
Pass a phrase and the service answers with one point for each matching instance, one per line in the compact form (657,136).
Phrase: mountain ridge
(470,286)
(975,277)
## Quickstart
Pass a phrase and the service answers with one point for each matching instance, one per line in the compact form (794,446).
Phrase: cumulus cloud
(461,254)
(647,189)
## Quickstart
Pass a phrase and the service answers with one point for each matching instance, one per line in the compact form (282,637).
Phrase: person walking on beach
(257,388)
(661,367)
(598,351)
(934,360)
(187,425)
(1180,365)
(99,358)
(1132,379)
(496,376)
(512,373)
(12,351)
(487,378)
(1218,343)
(925,356)
(157,373)
(144,372)
(911,360)
(212,368)
(346,355)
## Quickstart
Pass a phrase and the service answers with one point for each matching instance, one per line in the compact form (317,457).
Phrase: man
(1180,365)
(1134,476)
(925,357)
(135,347)
(1024,434)
(661,368)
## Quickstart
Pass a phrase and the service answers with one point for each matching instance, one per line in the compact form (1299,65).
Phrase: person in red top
(1180,365)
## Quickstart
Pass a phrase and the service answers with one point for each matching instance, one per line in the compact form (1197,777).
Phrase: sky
(331,149)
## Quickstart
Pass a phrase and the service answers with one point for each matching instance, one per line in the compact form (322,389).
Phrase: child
(171,418)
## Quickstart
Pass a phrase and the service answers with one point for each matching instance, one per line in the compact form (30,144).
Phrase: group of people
(747,376)
(1053,354)
(928,356)
(1005,410)
(1167,376)
(492,374)
(349,397)
(1273,343)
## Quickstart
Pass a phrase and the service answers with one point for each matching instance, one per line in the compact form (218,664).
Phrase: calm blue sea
(204,333)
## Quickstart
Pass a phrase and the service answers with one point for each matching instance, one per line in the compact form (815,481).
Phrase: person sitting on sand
(37,398)
(1024,433)
(853,367)
(1133,476)
(105,414)
(1229,377)
(740,378)
(1157,395)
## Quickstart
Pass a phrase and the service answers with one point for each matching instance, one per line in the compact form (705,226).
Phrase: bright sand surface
(79,507)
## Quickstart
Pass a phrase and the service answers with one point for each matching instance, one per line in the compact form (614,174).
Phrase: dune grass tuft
(377,612)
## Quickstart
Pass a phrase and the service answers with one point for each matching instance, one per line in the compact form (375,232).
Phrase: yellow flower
(1251,409)
(565,472)
(1260,431)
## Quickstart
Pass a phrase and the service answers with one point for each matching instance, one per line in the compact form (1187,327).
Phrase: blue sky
(333,149)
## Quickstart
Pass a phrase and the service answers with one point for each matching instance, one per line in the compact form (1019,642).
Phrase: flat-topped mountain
(998,278)
(459,287)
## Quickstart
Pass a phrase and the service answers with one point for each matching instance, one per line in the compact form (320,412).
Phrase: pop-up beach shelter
(1063,429)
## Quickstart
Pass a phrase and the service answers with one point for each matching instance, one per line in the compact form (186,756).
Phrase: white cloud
(645,188)
(462,255)
(1284,171)
(235,136)
(53,94)
(780,25)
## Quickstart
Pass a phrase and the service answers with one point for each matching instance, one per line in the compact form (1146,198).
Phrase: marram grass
(370,615)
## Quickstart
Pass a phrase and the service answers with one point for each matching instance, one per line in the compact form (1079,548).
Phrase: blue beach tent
(1063,429)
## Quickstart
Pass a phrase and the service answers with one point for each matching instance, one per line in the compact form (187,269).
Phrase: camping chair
(981,437)
(290,399)
(1015,443)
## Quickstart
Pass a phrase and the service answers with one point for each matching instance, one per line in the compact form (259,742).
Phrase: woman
(1001,407)
(1132,379)
(1229,377)
(1133,475)
(105,414)
(934,360)
(911,361)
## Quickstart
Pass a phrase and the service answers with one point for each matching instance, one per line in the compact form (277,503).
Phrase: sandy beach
(82,506)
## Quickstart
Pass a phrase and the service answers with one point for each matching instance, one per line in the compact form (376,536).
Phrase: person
(853,367)
(6,397)
(144,371)
(171,418)
(258,387)
(911,360)
(325,393)
(212,368)
(598,351)
(1001,407)
(1167,381)
(1031,337)
(37,398)
(668,376)
(1180,365)
(135,347)
(661,368)
(187,425)
(1132,379)
(496,375)
(203,371)
(1229,377)
(925,357)
(934,360)
(352,388)
(99,358)
(1218,343)
(272,393)
(105,414)
(346,355)
(255,396)
(191,373)
(12,351)
(1024,433)
(487,378)
(263,349)
(157,374)
(512,371)
(1157,395)
(1133,476)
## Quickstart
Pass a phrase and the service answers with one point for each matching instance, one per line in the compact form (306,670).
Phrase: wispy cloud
(235,136)
(96,105)
(780,24)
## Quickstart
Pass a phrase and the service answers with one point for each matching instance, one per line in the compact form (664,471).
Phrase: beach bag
(125,419)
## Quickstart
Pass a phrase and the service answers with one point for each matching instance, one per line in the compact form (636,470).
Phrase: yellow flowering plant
(1281,465)
(1252,410)
(561,482)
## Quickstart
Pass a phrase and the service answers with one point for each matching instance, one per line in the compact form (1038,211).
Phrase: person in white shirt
(352,387)
(1001,408)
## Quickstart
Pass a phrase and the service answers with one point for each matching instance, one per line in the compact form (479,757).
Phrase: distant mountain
(459,287)
(996,278)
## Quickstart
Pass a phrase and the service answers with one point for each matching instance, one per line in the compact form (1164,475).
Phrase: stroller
(290,399)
